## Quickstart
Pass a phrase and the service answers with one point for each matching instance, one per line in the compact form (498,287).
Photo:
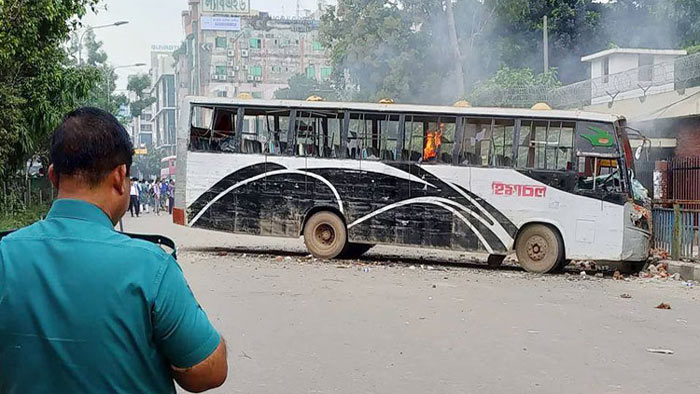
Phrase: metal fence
(20,193)
(683,72)
(677,231)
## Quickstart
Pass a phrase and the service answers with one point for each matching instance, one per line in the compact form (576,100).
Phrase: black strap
(3,234)
(156,239)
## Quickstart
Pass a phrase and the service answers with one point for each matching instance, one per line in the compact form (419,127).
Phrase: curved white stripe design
(271,173)
(497,227)
(439,201)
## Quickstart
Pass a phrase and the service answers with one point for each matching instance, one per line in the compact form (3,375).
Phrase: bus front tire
(354,250)
(325,235)
(539,249)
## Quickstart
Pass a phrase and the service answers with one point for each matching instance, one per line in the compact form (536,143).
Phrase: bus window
(389,132)
(265,131)
(212,129)
(470,146)
(599,166)
(414,130)
(439,140)
(546,145)
(318,133)
(501,143)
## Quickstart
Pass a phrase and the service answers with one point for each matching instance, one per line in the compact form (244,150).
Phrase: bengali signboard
(229,7)
(226,23)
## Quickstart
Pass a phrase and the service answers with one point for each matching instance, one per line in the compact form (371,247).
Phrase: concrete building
(647,71)
(141,127)
(229,51)
(163,90)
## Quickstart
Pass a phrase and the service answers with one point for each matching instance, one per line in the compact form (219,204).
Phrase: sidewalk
(687,271)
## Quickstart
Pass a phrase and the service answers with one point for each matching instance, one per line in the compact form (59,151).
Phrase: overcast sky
(157,22)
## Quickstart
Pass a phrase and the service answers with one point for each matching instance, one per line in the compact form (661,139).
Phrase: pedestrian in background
(164,193)
(171,196)
(156,196)
(86,309)
(134,205)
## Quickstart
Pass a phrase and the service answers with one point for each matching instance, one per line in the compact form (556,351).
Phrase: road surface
(386,324)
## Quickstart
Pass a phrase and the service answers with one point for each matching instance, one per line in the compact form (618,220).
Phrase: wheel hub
(537,248)
(324,234)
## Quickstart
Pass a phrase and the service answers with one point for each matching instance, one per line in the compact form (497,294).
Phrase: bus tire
(539,249)
(354,250)
(495,260)
(325,235)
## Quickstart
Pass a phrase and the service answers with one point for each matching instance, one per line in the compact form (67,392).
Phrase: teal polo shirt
(85,309)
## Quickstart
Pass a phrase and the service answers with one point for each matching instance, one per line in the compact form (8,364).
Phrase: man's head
(91,157)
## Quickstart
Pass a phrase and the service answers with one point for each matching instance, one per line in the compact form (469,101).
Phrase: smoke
(408,54)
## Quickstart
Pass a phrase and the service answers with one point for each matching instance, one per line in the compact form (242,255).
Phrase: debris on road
(660,351)
(618,276)
(663,305)
(625,295)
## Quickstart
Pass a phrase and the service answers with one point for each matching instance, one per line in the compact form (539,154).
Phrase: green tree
(148,166)
(140,85)
(38,83)
(499,89)
(301,87)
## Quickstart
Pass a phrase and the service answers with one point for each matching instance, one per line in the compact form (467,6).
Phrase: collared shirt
(134,191)
(85,309)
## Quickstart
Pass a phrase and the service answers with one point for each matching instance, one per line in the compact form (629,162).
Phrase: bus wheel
(539,249)
(325,235)
(495,260)
(353,250)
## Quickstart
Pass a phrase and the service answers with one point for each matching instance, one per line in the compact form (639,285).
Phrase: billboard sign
(230,7)
(225,23)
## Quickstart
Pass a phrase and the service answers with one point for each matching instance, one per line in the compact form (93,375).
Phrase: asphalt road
(387,325)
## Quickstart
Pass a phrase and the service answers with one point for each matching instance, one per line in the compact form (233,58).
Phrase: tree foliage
(301,87)
(404,49)
(38,83)
(140,84)
(148,166)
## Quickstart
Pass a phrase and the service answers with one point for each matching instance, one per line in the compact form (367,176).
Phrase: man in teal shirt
(85,309)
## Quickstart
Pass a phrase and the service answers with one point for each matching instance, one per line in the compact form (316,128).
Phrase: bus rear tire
(539,249)
(325,235)
(354,250)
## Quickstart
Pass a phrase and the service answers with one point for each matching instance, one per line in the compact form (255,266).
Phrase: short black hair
(90,143)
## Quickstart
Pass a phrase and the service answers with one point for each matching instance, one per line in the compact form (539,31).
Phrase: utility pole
(545,44)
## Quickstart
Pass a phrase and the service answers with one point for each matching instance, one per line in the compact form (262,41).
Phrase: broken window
(318,133)
(546,145)
(599,163)
(475,132)
(501,143)
(213,130)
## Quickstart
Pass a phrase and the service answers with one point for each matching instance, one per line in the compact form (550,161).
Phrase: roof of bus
(413,108)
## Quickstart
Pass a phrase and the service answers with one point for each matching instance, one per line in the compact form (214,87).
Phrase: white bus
(550,185)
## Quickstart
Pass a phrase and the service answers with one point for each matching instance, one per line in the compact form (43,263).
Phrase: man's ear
(53,176)
(119,179)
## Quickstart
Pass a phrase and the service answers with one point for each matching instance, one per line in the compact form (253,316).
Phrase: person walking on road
(134,204)
(156,196)
(171,196)
(86,309)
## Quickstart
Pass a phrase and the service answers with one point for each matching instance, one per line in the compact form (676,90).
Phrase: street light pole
(110,75)
(89,28)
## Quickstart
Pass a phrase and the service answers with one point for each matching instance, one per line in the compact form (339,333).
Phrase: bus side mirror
(638,152)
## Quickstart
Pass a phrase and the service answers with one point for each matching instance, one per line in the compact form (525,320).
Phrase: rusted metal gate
(685,181)
(677,231)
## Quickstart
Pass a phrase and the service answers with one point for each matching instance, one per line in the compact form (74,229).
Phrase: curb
(688,271)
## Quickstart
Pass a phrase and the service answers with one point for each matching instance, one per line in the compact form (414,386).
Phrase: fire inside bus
(549,185)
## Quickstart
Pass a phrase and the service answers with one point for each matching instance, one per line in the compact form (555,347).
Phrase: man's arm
(208,374)
(184,335)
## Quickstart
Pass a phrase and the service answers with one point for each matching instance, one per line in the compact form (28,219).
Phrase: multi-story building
(141,127)
(163,90)
(231,50)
